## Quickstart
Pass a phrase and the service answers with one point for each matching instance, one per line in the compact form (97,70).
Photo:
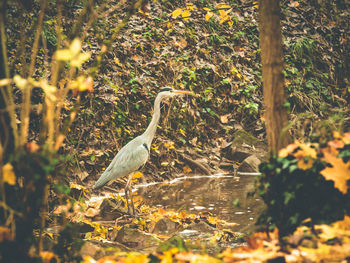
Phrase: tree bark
(276,117)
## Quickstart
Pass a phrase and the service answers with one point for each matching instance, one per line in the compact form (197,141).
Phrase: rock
(89,249)
(165,226)
(135,238)
(242,146)
(250,164)
(110,209)
(201,227)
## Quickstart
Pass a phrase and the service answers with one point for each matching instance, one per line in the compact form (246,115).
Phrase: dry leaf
(176,13)
(287,150)
(209,15)
(224,118)
(8,174)
(186,14)
(187,169)
(32,147)
(137,175)
(339,172)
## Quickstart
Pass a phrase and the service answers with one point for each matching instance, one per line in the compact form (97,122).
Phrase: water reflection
(225,196)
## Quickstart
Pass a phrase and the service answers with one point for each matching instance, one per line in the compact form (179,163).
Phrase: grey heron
(135,153)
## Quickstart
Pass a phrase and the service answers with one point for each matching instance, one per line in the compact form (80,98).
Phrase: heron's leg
(127,192)
(132,201)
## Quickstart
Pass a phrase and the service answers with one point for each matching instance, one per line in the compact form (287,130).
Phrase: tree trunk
(276,117)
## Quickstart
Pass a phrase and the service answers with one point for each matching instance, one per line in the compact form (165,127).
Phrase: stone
(250,164)
(165,226)
(135,238)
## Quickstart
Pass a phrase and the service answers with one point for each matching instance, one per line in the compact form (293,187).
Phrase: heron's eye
(166,89)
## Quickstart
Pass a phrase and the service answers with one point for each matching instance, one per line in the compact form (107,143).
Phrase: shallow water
(225,196)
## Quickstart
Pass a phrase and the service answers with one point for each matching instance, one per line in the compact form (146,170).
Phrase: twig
(8,98)
(27,91)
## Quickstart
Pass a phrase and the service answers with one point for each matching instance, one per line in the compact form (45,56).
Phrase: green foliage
(293,193)
(25,199)
(69,243)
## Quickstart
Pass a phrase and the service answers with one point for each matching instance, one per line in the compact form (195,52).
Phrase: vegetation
(78,80)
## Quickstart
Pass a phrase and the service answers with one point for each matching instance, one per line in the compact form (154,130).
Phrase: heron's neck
(152,127)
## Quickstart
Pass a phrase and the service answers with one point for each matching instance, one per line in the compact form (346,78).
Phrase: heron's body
(128,160)
(136,152)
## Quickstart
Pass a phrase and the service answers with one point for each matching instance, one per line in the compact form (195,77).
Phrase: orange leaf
(32,147)
(187,169)
(346,138)
(338,144)
(287,150)
(339,172)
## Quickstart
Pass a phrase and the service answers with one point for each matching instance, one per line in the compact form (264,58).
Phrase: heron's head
(170,92)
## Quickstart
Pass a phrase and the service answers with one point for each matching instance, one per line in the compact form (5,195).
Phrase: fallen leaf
(176,13)
(224,118)
(137,175)
(187,169)
(92,212)
(186,14)
(8,174)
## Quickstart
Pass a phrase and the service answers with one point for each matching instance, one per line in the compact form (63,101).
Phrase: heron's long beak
(183,92)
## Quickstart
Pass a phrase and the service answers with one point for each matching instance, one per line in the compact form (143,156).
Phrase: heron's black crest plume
(166,89)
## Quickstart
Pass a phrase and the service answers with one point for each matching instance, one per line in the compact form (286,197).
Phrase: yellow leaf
(339,172)
(182,132)
(207,9)
(187,169)
(8,174)
(20,82)
(223,14)
(222,6)
(80,59)
(209,15)
(48,256)
(287,150)
(307,150)
(50,91)
(186,14)
(137,175)
(5,82)
(75,47)
(63,55)
(176,13)
(256,4)
(190,6)
(116,61)
(224,118)
(346,138)
(169,25)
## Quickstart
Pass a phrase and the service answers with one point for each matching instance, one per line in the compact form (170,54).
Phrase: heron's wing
(129,159)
